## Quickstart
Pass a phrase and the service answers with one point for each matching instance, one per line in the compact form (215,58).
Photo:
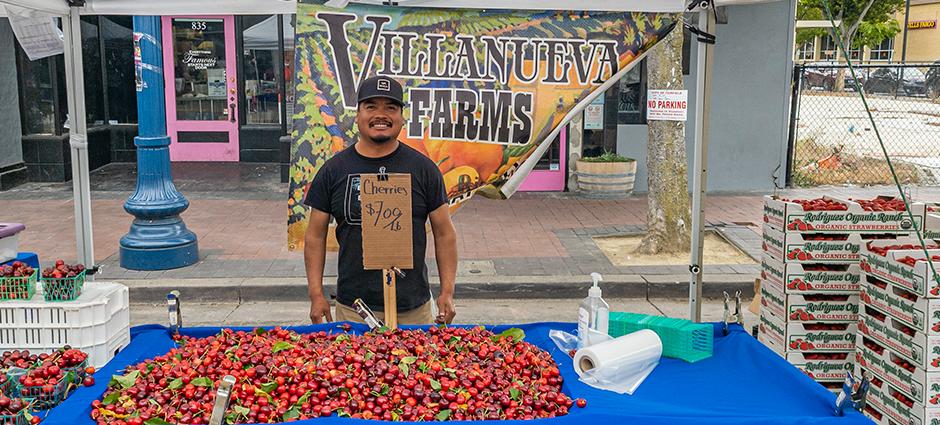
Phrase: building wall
(749,110)
(11,150)
(923,45)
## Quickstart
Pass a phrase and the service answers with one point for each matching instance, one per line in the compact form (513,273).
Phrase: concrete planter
(606,179)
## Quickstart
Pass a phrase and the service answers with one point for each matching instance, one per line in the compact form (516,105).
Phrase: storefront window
(199,60)
(37,94)
(830,50)
(624,103)
(260,72)
(91,60)
(551,160)
(289,23)
(806,51)
(883,51)
(631,96)
(118,38)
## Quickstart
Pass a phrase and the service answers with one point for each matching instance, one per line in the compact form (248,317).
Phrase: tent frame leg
(78,137)
(704,55)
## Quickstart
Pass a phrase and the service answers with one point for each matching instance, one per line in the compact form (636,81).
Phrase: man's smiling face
(379,119)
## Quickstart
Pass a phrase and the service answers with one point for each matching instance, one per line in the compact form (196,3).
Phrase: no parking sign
(667,105)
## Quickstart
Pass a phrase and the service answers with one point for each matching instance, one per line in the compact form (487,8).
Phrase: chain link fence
(832,140)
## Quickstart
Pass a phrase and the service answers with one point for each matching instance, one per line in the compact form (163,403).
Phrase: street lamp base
(159,245)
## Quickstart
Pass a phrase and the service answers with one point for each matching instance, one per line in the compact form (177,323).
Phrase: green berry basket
(6,388)
(77,372)
(46,396)
(64,288)
(17,419)
(18,288)
(13,376)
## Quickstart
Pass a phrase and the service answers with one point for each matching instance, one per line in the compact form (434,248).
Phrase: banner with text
(483,88)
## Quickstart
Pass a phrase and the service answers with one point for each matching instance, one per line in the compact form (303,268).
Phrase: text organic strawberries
(404,375)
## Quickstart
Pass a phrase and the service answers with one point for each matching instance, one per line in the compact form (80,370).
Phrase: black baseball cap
(381,86)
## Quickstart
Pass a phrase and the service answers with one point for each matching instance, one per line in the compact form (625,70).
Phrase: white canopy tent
(263,35)
(76,92)
(262,7)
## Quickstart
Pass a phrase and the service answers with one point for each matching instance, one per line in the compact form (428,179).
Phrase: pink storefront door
(552,175)
(201,87)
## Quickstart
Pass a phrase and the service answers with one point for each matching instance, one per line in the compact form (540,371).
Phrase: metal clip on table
(222,397)
(367,315)
(737,316)
(854,393)
(173,310)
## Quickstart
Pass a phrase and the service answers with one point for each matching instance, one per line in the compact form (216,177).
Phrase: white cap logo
(383,85)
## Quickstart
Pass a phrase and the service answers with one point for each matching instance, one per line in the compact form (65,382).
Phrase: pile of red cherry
(40,377)
(16,269)
(62,270)
(400,375)
(12,289)
(47,378)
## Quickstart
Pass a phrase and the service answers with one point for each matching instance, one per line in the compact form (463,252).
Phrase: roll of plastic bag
(621,364)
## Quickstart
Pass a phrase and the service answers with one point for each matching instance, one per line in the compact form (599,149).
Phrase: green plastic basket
(77,371)
(42,398)
(6,387)
(17,419)
(63,289)
(682,339)
(13,377)
(18,288)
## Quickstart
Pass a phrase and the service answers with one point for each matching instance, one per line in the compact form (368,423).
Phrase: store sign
(594,114)
(480,101)
(216,82)
(199,59)
(921,25)
(667,105)
(37,32)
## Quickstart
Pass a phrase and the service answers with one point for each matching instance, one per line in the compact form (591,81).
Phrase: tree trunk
(839,85)
(668,215)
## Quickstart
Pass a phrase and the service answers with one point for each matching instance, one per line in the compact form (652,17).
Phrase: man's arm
(318,223)
(445,250)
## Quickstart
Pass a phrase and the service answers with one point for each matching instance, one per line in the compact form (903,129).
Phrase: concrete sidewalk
(531,245)
(489,312)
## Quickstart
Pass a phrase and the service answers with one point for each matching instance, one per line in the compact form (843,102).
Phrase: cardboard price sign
(386,221)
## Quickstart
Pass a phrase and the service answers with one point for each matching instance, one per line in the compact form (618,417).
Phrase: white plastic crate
(101,354)
(96,322)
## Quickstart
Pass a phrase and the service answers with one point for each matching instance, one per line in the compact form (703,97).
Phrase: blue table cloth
(743,383)
(30,258)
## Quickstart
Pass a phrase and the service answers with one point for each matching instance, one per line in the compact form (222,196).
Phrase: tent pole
(78,136)
(700,164)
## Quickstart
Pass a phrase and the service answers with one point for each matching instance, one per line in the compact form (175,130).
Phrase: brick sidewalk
(242,228)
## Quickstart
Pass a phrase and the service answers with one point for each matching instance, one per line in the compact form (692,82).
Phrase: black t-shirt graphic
(335,191)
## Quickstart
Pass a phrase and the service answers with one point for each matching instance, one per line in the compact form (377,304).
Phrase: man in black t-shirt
(335,192)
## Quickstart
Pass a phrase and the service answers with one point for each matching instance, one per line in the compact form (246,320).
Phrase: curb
(477,287)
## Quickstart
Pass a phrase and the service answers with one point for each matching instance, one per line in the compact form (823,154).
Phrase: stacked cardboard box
(809,293)
(811,275)
(898,342)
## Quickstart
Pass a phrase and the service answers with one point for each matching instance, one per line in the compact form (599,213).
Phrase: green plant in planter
(607,156)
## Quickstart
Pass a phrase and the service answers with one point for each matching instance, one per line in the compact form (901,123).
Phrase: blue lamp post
(158,238)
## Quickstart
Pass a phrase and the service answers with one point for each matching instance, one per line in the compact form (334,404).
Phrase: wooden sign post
(385,200)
